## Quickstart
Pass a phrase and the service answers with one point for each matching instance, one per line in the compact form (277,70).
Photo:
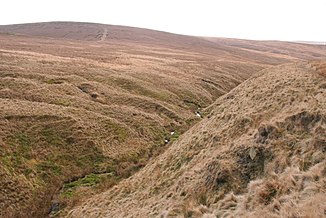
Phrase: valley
(87,111)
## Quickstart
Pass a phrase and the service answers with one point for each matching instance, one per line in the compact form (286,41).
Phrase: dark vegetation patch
(224,175)
(267,132)
(303,121)
(252,168)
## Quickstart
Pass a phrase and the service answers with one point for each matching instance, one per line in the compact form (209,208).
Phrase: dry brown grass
(260,152)
(71,108)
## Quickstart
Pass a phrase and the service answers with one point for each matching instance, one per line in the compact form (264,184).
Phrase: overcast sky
(292,20)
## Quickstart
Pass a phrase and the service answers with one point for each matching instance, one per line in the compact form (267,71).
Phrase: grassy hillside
(259,153)
(78,114)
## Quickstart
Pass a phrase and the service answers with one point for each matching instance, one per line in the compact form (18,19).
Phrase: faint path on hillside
(104,35)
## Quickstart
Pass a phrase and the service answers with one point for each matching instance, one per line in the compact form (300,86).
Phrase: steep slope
(79,114)
(259,153)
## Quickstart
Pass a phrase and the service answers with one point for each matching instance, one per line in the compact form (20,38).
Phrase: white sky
(251,19)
